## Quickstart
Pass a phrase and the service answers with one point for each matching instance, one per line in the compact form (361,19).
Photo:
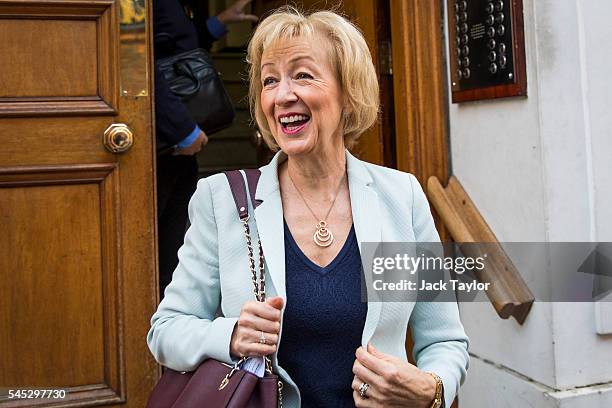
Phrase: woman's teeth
(295,120)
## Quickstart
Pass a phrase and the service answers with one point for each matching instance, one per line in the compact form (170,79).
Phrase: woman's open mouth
(293,124)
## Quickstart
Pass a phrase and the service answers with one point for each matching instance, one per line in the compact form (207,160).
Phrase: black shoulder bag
(192,76)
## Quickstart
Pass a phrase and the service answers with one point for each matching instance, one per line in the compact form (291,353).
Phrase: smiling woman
(313,92)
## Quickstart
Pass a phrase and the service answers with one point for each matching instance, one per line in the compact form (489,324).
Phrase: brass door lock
(118,138)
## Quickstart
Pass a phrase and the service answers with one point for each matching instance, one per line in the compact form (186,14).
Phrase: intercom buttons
(461,34)
(485,44)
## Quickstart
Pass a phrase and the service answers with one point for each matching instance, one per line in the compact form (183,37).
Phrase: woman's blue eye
(304,75)
(267,81)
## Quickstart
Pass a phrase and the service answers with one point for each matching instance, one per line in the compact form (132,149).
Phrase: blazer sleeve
(440,342)
(184,330)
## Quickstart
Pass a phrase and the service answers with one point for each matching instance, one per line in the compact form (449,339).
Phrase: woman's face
(301,97)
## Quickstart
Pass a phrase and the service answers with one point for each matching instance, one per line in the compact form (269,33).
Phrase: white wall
(493,386)
(540,169)
(597,33)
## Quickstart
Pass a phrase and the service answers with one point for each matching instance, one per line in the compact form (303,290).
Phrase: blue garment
(191,138)
(322,323)
(216,27)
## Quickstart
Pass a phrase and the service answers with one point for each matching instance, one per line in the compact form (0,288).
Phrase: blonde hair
(350,57)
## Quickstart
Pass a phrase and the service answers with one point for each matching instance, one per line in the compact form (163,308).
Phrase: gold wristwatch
(438,401)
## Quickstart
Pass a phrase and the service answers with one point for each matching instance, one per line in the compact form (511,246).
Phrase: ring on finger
(363,389)
(262,338)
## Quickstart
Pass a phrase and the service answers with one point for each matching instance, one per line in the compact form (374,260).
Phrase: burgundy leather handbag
(215,384)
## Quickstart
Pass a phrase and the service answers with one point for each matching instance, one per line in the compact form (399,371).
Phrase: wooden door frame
(420,91)
(420,88)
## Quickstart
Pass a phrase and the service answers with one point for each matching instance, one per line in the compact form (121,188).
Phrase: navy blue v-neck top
(322,323)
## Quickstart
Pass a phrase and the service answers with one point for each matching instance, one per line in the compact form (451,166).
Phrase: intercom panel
(487,49)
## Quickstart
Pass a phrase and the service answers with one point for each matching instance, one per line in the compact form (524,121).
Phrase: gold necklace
(323,236)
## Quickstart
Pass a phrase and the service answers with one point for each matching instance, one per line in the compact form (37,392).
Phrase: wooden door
(77,222)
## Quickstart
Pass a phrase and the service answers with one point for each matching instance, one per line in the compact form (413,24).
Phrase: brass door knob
(118,138)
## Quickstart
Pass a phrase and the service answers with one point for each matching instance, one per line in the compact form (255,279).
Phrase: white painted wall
(489,385)
(597,87)
(540,169)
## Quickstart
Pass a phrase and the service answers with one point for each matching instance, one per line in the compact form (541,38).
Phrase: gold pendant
(323,237)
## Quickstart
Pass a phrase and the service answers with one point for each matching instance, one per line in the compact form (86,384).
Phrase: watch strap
(438,401)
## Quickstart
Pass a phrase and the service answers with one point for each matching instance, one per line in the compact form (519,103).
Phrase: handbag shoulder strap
(236,182)
(239,192)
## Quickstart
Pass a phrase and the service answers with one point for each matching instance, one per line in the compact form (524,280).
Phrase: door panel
(61,58)
(39,205)
(78,77)
(77,222)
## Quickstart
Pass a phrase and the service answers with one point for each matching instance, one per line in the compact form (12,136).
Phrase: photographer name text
(406,285)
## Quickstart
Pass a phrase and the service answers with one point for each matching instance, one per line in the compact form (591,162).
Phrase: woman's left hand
(392,382)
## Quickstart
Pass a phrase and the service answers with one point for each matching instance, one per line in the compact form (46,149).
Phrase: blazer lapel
(366,218)
(269,217)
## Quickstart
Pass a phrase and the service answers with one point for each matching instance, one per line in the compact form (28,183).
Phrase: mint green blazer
(196,318)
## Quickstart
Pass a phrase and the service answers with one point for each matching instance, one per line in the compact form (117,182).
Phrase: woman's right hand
(256,317)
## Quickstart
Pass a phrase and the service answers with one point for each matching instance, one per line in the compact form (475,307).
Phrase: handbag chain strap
(259,282)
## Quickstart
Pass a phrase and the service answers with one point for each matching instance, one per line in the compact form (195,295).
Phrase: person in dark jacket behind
(177,173)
